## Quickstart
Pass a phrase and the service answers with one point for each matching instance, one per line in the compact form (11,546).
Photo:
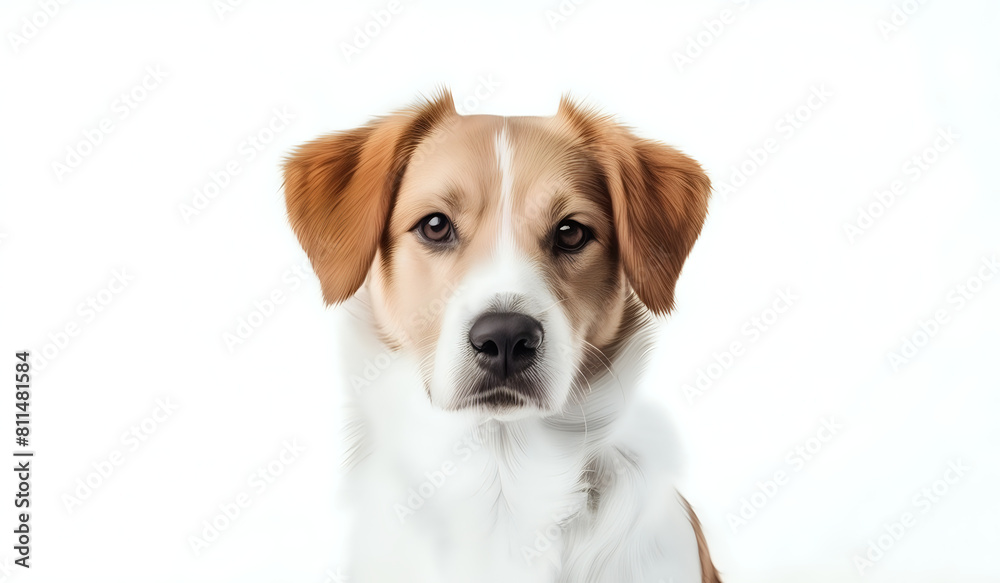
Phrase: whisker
(607,363)
(554,304)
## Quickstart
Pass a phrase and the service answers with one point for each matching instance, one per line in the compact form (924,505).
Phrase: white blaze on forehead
(505,155)
(509,271)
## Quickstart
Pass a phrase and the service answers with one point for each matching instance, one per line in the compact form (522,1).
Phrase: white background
(162,337)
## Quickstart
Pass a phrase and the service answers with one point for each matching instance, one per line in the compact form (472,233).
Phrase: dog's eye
(571,236)
(436,228)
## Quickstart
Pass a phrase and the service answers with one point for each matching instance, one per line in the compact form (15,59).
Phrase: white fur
(514,507)
(507,277)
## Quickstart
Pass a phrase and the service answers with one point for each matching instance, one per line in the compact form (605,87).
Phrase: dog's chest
(472,501)
(436,497)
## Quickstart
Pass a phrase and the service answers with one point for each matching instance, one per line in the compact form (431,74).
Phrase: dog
(502,276)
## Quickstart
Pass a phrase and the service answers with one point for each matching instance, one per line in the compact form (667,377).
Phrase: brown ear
(339,190)
(659,198)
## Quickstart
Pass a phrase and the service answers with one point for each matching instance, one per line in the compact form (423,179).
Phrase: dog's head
(504,252)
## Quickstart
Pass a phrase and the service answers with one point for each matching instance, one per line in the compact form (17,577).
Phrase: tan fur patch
(339,191)
(660,198)
(708,572)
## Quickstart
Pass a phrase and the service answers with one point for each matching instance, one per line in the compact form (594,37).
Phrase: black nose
(507,342)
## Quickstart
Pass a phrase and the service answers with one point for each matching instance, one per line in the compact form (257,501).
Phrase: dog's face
(502,252)
(503,223)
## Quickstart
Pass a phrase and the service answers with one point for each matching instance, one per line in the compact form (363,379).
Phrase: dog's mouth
(491,395)
(499,398)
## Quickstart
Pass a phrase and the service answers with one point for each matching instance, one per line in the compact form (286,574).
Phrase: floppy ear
(339,190)
(659,198)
